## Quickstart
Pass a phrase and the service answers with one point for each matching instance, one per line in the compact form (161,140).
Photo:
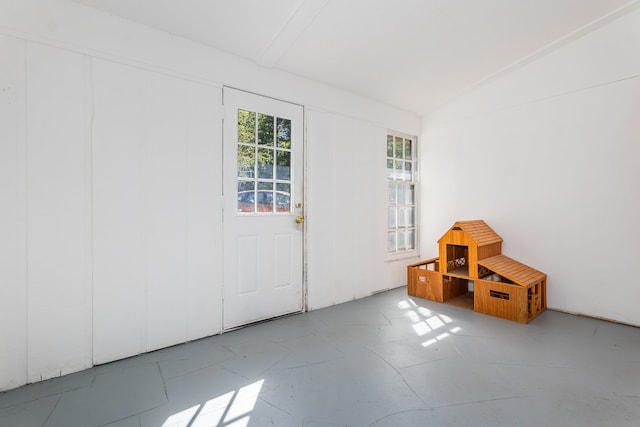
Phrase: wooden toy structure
(471,253)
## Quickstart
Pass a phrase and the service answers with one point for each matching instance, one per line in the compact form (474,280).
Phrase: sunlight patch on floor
(231,409)
(425,322)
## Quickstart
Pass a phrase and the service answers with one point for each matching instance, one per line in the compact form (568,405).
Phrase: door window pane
(246,161)
(246,126)
(284,133)
(265,163)
(283,197)
(283,165)
(265,129)
(264,197)
(246,196)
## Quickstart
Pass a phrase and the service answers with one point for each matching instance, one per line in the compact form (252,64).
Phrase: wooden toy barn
(471,255)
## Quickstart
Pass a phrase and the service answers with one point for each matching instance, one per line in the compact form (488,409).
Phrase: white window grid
(401,194)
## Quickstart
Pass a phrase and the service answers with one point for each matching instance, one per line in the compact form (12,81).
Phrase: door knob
(299,219)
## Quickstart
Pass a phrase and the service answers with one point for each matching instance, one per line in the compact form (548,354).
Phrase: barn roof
(478,230)
(513,270)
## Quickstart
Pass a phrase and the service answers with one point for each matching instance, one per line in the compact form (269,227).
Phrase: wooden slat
(512,270)
(479,231)
(514,308)
(533,276)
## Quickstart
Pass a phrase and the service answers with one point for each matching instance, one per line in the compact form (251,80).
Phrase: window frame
(413,181)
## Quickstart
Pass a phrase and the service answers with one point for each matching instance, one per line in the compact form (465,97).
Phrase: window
(264,163)
(401,200)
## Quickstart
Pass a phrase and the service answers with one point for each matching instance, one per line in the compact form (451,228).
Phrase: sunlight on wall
(425,322)
(232,409)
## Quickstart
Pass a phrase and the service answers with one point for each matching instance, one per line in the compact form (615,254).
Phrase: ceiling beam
(295,26)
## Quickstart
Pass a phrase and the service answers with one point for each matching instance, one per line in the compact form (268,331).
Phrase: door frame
(305,211)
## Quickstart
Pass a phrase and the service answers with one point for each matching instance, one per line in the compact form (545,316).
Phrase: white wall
(111,179)
(45,213)
(111,219)
(58,213)
(157,219)
(548,156)
(13,217)
(346,222)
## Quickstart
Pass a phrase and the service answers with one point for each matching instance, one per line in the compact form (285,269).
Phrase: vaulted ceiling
(413,54)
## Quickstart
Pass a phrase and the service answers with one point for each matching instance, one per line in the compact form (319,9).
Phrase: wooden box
(499,297)
(510,301)
(425,281)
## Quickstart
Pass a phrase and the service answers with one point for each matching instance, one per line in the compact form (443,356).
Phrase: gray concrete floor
(386,360)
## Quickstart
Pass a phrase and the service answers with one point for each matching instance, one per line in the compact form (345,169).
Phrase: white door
(263,185)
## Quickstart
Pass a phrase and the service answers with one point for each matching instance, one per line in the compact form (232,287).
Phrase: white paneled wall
(13,231)
(156,146)
(120,260)
(110,217)
(110,184)
(164,173)
(320,208)
(203,306)
(346,219)
(346,283)
(58,201)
